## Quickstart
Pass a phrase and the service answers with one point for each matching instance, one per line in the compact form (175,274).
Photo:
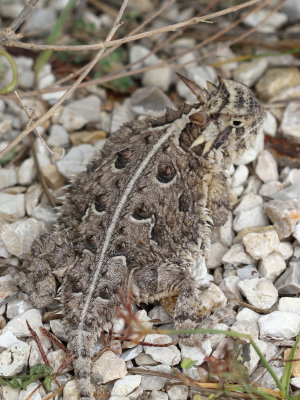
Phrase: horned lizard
(141,215)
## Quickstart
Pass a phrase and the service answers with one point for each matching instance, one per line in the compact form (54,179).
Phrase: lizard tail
(81,347)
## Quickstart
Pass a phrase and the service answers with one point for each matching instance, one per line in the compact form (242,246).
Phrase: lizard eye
(236,123)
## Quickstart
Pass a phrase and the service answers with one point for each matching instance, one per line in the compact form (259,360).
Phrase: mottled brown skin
(140,218)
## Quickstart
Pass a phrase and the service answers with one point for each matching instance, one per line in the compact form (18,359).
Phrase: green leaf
(47,383)
(14,383)
(40,370)
(122,84)
(187,363)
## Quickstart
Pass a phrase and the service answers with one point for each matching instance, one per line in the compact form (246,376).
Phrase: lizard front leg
(35,277)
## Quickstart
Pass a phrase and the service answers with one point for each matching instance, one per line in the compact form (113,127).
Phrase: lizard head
(229,116)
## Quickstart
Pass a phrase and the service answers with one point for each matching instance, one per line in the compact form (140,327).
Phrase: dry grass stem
(128,39)
(68,93)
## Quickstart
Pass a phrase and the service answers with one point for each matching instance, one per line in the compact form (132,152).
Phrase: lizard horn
(199,92)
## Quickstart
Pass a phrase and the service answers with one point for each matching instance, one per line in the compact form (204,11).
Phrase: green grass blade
(287,372)
(268,367)
(55,34)
(10,87)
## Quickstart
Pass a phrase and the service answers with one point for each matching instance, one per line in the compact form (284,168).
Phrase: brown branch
(9,33)
(38,343)
(68,93)
(128,39)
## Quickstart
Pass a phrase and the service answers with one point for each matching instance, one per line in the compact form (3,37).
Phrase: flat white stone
(270,188)
(260,292)
(284,215)
(249,201)
(272,266)
(80,112)
(251,217)
(19,236)
(156,395)
(25,394)
(8,177)
(58,136)
(159,77)
(270,25)
(270,124)
(247,315)
(279,325)
(289,304)
(14,359)
(196,354)
(237,255)
(169,355)
(249,72)
(246,327)
(289,282)
(247,272)
(16,307)
(266,167)
(70,391)
(290,125)
(76,160)
(229,287)
(217,251)
(18,325)
(109,367)
(12,205)
(178,392)
(126,385)
(155,382)
(8,340)
(9,393)
(260,244)
(285,249)
(240,176)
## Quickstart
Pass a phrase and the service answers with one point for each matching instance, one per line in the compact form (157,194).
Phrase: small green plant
(39,371)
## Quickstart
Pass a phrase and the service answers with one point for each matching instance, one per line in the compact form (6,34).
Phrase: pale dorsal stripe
(174,127)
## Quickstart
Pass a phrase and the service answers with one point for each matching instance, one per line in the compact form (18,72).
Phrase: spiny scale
(139,219)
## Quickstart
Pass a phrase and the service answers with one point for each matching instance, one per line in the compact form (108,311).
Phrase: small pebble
(152,382)
(58,136)
(14,359)
(290,124)
(126,385)
(178,392)
(260,292)
(272,266)
(289,282)
(159,77)
(77,114)
(266,167)
(76,160)
(12,205)
(168,355)
(289,304)
(237,255)
(279,325)
(284,215)
(19,236)
(18,325)
(249,72)
(273,21)
(8,177)
(260,244)
(108,367)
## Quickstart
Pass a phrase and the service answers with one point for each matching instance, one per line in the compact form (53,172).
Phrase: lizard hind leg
(151,284)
